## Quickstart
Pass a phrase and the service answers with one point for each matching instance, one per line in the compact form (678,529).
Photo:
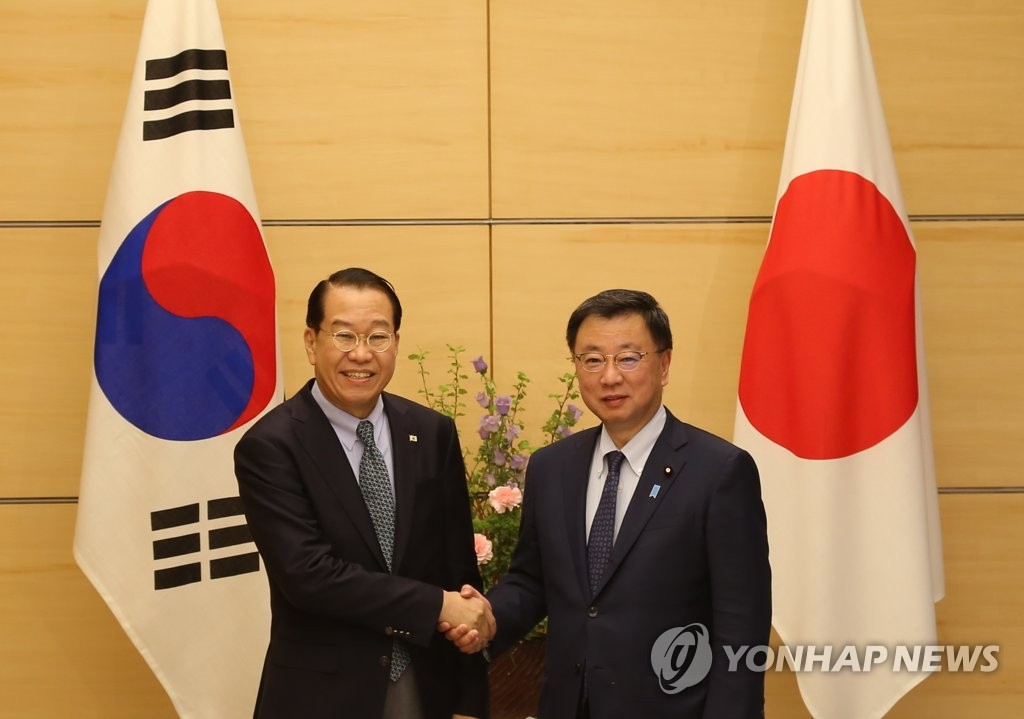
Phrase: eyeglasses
(626,361)
(346,341)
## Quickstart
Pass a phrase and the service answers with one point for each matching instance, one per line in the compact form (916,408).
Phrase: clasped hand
(467,620)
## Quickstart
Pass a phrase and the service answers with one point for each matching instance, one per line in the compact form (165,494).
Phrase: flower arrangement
(496,470)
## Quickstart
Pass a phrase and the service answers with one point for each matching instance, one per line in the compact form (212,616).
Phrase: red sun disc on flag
(829,361)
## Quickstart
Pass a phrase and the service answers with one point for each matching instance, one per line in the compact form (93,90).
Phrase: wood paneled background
(499,161)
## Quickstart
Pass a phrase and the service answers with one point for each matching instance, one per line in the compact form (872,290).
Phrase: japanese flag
(833,401)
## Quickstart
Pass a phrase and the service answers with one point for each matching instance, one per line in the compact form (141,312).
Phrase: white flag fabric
(833,400)
(185,358)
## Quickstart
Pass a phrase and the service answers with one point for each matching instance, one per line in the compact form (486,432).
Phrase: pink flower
(504,498)
(484,548)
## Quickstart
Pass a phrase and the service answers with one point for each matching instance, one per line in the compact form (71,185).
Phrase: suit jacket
(697,552)
(335,608)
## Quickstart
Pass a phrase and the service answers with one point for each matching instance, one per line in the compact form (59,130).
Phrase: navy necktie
(602,529)
(376,488)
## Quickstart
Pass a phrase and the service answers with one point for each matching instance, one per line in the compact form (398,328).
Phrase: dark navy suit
(697,552)
(335,608)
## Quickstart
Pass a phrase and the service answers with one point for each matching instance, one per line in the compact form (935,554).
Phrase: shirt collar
(639,448)
(345,424)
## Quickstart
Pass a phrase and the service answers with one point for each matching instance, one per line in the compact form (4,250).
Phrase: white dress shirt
(637,450)
(345,425)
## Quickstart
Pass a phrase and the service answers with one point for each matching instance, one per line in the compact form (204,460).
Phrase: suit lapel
(575,477)
(662,469)
(322,444)
(404,460)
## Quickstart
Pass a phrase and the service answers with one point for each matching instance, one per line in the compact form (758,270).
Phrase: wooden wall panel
(67,66)
(47,319)
(63,653)
(984,605)
(972,279)
(952,82)
(599,109)
(971,293)
(614,108)
(349,109)
(363,110)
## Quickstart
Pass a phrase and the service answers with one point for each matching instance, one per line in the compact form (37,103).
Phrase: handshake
(467,620)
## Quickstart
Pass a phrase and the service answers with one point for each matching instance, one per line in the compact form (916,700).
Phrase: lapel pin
(668,471)
(413,438)
(654,491)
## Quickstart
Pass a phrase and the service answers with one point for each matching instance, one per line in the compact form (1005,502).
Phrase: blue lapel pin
(654,491)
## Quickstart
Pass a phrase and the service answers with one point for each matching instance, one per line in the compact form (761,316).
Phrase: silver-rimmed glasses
(346,340)
(625,361)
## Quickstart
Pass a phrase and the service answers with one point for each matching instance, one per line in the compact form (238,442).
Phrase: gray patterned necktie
(376,488)
(602,529)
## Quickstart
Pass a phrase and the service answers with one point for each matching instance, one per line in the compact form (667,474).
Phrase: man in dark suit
(358,504)
(643,541)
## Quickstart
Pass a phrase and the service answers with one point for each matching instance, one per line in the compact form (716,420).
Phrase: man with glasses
(357,501)
(643,541)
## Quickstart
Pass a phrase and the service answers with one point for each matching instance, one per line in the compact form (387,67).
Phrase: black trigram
(160,97)
(184,545)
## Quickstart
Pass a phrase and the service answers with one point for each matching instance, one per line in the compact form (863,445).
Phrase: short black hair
(615,303)
(351,277)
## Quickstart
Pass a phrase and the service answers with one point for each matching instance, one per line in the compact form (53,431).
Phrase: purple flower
(512,432)
(489,425)
(483,400)
(517,462)
(489,478)
(503,404)
(574,412)
(499,458)
(563,431)
(479,365)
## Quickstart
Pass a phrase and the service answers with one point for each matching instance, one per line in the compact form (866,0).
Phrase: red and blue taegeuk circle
(185,330)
